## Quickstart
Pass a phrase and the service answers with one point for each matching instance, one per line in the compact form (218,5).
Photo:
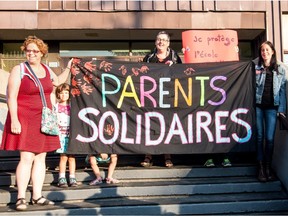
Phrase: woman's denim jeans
(266,125)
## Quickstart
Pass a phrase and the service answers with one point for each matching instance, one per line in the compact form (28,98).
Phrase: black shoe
(261,173)
(269,173)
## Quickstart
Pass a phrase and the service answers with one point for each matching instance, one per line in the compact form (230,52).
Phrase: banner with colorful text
(139,108)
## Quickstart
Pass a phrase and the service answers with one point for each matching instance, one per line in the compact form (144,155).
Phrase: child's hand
(109,129)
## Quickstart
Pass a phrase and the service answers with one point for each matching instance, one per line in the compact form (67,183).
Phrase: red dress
(29,113)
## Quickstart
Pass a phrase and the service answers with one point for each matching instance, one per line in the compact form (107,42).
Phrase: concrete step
(244,203)
(184,189)
(147,182)
(159,187)
(126,173)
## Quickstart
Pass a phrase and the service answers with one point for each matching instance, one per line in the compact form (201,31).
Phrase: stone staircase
(187,188)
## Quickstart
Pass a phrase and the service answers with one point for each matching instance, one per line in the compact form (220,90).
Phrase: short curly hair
(43,47)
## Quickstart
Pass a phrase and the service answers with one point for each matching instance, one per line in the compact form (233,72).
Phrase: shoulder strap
(23,73)
(151,55)
(174,56)
(39,84)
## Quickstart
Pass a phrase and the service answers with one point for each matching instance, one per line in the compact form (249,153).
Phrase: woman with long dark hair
(270,101)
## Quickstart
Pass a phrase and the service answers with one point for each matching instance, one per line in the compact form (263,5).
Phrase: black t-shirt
(267,97)
(173,56)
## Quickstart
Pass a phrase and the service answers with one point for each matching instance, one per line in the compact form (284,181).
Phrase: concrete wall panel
(151,20)
(133,5)
(108,6)
(121,5)
(147,5)
(82,5)
(18,5)
(258,20)
(43,5)
(259,5)
(209,5)
(55,5)
(69,5)
(239,5)
(197,5)
(284,6)
(18,20)
(95,5)
(171,5)
(159,5)
(184,5)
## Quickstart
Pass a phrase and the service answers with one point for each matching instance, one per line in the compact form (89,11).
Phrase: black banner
(127,108)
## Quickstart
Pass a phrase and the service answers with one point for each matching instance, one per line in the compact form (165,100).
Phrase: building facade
(126,29)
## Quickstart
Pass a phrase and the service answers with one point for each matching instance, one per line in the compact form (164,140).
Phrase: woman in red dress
(22,127)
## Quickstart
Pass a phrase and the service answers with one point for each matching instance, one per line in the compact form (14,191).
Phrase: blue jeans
(266,125)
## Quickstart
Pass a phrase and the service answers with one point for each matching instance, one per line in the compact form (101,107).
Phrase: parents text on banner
(210,46)
(127,108)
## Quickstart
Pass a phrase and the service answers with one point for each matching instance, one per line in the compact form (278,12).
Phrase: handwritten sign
(210,46)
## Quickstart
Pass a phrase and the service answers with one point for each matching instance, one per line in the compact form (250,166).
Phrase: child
(63,115)
(103,158)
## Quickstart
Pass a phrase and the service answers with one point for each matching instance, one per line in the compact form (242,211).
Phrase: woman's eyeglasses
(33,51)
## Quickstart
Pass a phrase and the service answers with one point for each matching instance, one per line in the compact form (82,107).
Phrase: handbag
(49,123)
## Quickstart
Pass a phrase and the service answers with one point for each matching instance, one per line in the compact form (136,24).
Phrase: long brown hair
(273,62)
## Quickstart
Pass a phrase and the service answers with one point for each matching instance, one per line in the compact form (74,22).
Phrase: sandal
(168,163)
(21,204)
(112,181)
(147,162)
(96,181)
(45,201)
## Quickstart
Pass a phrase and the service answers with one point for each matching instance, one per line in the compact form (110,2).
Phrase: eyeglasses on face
(33,51)
(162,40)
